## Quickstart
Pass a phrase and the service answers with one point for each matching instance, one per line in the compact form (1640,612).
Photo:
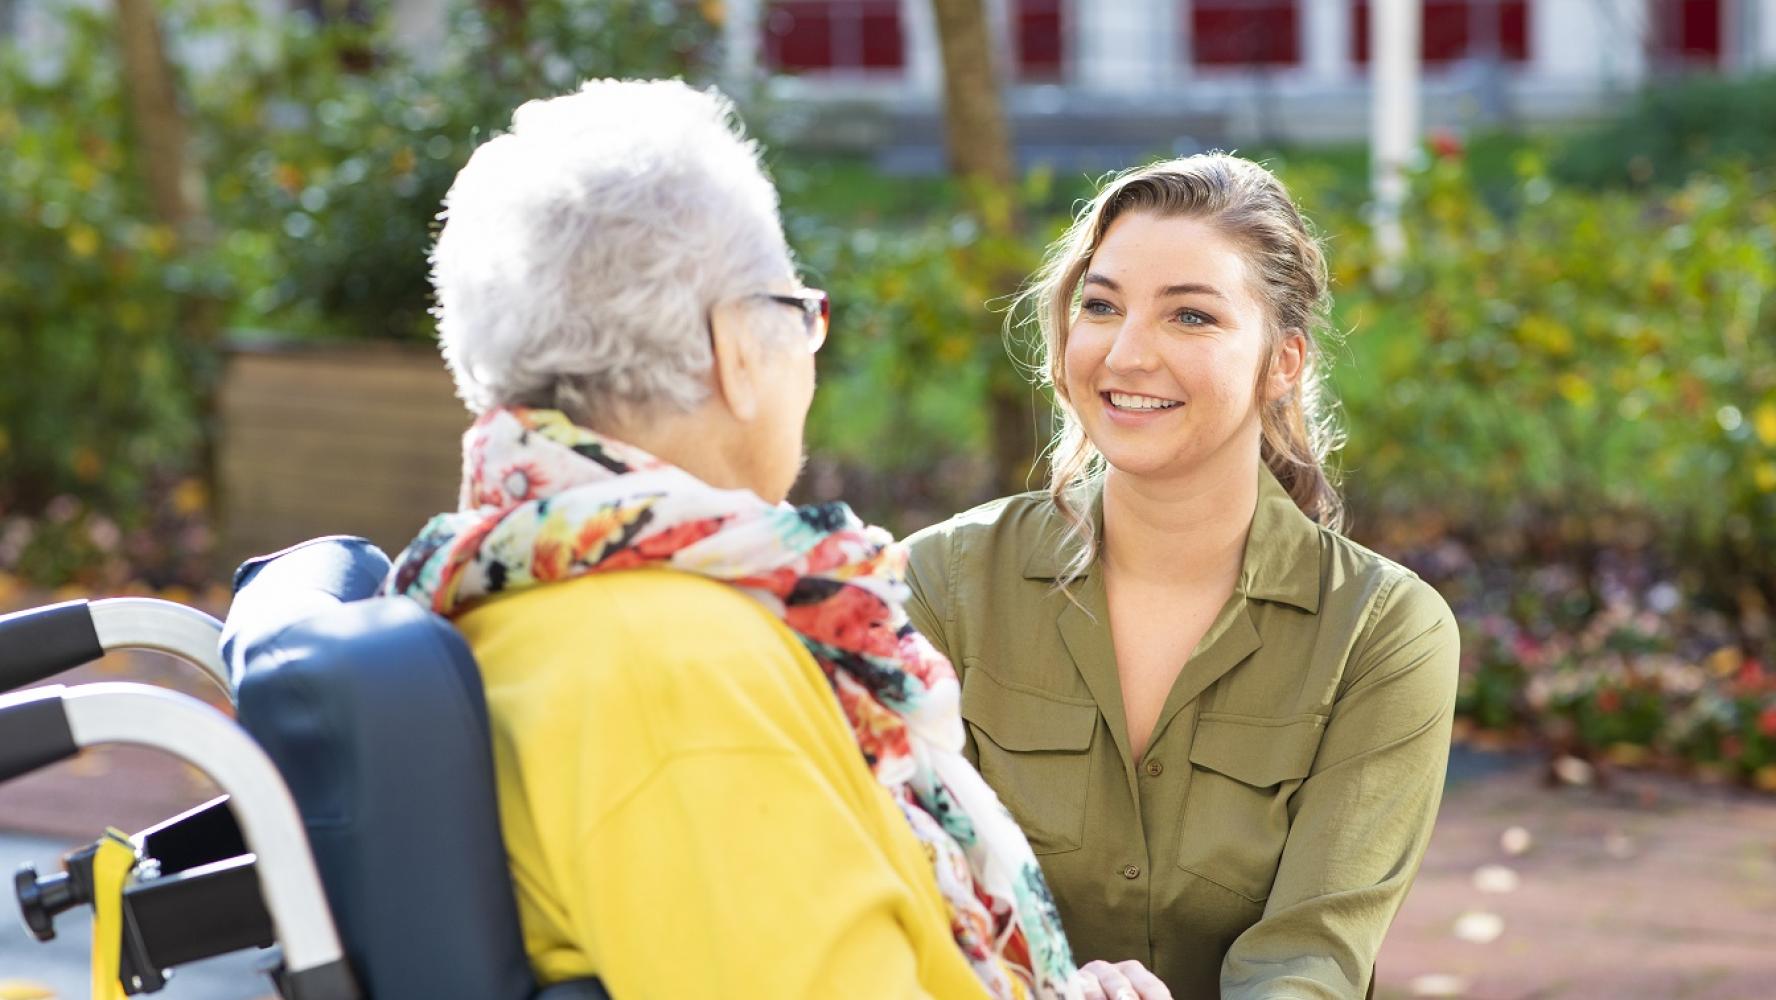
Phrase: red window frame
(1687,32)
(1040,38)
(1235,33)
(1447,33)
(833,35)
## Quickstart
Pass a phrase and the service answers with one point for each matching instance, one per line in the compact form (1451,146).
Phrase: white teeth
(1130,401)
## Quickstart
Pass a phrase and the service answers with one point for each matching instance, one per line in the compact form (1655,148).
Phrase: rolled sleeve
(1362,818)
(928,577)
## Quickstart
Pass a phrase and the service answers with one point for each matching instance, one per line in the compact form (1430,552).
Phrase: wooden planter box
(355,439)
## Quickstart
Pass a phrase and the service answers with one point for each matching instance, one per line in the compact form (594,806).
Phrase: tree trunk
(975,131)
(175,193)
(175,189)
(978,139)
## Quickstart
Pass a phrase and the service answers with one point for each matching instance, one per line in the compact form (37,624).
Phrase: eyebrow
(1187,288)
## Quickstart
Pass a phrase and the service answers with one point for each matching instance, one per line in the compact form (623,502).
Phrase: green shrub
(99,375)
(325,154)
(1675,129)
(1590,370)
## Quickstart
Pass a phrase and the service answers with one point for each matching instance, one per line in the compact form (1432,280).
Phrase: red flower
(1767,722)
(1751,675)
(1731,747)
(1609,701)
(1447,145)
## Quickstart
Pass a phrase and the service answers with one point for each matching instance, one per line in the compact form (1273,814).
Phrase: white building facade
(1243,70)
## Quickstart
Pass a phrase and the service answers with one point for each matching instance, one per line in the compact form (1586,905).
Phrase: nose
(1131,351)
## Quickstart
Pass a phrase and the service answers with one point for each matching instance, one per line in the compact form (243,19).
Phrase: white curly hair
(583,250)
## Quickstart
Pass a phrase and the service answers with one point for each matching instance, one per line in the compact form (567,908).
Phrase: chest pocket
(1035,752)
(1236,812)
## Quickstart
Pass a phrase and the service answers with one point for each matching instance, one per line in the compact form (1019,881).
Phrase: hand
(1122,981)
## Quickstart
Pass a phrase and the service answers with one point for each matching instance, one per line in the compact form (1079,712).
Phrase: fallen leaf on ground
(1479,927)
(1516,841)
(1495,878)
(18,989)
(1574,771)
(1439,984)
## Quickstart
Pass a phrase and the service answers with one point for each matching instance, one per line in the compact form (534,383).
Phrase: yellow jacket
(685,809)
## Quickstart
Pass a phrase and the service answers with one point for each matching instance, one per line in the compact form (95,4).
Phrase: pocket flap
(1019,720)
(1257,751)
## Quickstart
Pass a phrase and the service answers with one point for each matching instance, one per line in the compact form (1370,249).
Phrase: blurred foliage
(340,147)
(325,153)
(1565,418)
(902,420)
(1633,672)
(1673,130)
(98,391)
(1589,370)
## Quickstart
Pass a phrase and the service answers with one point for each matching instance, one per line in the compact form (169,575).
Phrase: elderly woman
(727,765)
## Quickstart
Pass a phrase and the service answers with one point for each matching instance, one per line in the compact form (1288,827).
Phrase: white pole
(741,28)
(1394,57)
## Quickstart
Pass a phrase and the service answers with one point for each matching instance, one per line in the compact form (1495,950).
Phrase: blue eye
(1190,317)
(1097,307)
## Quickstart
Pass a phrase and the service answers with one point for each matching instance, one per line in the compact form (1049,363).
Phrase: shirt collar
(1281,561)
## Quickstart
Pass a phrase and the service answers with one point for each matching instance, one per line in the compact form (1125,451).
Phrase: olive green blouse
(1265,842)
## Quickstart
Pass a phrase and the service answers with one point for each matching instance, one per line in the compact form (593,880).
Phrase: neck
(1180,530)
(696,441)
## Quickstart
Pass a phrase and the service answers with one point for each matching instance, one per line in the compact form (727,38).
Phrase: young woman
(1222,725)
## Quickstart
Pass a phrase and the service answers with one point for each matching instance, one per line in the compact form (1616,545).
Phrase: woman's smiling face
(1163,356)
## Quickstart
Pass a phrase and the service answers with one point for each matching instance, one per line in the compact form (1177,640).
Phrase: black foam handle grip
(34,732)
(45,641)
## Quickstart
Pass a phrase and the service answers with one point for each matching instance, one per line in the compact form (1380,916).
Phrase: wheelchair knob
(41,900)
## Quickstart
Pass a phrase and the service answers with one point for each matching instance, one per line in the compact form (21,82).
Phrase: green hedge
(1586,370)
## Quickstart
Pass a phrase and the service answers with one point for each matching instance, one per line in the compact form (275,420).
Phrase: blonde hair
(1248,204)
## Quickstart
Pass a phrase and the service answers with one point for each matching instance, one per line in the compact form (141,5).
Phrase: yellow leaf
(1765,778)
(1576,390)
(1765,477)
(160,240)
(18,989)
(86,464)
(83,240)
(1765,422)
(189,498)
(1725,661)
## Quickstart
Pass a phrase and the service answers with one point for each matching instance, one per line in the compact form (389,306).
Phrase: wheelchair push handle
(44,725)
(41,642)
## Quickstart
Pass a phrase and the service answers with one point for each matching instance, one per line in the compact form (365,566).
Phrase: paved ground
(1656,888)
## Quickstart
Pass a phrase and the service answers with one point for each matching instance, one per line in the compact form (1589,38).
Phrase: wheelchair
(358,838)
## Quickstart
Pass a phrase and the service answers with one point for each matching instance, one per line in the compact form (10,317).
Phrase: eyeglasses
(816,309)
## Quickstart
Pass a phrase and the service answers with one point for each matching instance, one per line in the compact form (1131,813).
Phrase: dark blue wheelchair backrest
(373,710)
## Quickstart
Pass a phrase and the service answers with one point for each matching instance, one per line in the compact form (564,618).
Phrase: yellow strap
(112,864)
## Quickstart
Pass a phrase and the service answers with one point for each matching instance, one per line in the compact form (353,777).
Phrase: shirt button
(1132,871)
(1155,768)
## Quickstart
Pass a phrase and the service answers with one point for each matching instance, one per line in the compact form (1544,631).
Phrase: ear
(738,370)
(1287,362)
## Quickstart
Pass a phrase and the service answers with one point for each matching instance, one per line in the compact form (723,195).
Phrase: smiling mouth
(1135,403)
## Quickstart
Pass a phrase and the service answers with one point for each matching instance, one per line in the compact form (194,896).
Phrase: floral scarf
(545,500)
